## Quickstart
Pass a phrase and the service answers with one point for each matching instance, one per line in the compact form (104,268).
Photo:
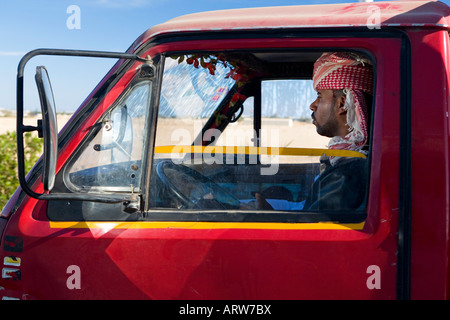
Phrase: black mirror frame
(22,129)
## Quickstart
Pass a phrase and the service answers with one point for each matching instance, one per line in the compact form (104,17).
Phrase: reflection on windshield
(192,92)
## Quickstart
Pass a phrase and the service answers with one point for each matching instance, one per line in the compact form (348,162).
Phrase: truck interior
(229,125)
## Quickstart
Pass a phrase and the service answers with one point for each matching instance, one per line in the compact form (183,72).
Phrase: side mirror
(49,127)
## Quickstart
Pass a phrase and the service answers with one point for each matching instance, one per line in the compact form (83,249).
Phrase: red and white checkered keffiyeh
(354,74)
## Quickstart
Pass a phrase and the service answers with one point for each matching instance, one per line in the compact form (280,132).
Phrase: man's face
(324,113)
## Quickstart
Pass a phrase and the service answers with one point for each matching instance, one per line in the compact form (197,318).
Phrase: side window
(243,132)
(285,137)
(112,160)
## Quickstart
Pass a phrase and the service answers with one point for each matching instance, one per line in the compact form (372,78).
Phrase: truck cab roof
(391,14)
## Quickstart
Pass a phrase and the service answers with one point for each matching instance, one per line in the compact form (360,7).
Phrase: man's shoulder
(344,163)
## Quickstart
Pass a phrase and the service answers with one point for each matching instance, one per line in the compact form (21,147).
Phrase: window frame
(97,127)
(342,217)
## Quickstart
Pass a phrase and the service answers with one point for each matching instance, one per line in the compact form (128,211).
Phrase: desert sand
(8,124)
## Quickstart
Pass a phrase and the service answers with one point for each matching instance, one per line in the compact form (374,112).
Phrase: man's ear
(340,102)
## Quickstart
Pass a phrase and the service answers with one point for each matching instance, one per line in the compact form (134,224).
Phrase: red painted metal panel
(394,13)
(430,164)
(227,263)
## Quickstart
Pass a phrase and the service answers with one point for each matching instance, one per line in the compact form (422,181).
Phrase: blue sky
(110,25)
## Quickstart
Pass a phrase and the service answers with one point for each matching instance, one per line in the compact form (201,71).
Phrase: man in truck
(344,85)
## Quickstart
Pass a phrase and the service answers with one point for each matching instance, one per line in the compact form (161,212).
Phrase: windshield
(192,90)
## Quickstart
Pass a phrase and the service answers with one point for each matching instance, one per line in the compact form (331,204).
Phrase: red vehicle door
(194,143)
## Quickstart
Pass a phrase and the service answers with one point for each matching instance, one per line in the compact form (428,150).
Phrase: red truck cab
(148,191)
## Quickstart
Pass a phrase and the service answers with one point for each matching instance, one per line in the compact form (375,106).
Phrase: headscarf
(354,74)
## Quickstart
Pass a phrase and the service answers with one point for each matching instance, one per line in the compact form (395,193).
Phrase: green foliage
(9,180)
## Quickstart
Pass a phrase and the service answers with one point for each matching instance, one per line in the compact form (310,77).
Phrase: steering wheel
(193,189)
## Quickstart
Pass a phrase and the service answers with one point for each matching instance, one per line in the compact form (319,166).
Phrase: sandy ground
(172,132)
(293,134)
(8,124)
(281,133)
(276,133)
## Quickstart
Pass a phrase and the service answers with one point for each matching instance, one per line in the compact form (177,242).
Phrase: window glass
(286,118)
(189,96)
(112,159)
(234,132)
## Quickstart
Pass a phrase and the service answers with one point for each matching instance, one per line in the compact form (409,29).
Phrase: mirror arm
(31,128)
